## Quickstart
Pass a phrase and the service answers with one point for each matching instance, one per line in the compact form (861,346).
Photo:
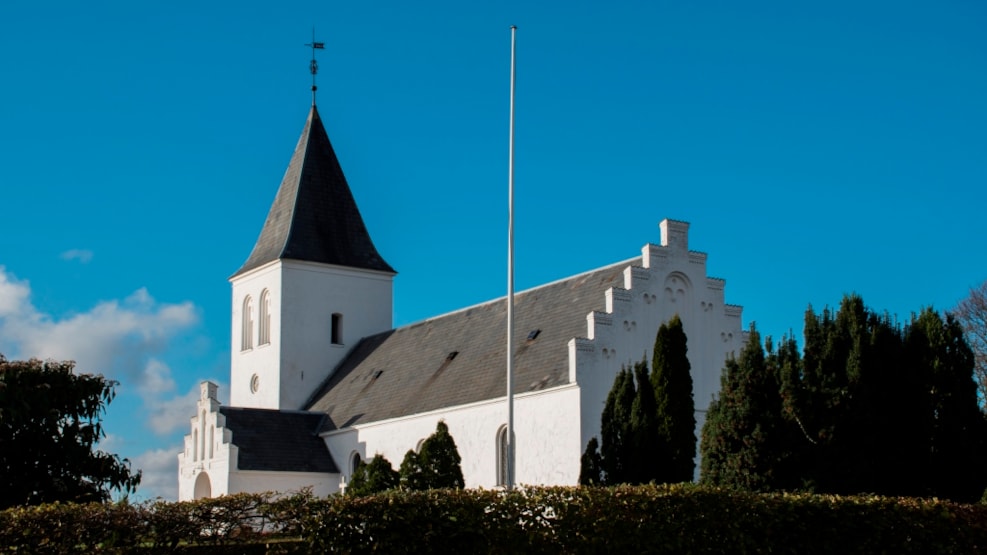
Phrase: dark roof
(314,216)
(285,441)
(458,358)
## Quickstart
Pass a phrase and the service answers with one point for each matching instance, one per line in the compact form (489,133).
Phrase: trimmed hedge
(643,519)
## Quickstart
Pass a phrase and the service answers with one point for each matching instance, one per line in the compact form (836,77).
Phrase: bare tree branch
(972,314)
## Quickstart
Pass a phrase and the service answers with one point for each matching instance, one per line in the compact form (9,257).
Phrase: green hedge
(640,519)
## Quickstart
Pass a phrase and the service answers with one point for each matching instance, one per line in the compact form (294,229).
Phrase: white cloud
(14,295)
(82,255)
(156,379)
(110,443)
(166,415)
(159,477)
(115,338)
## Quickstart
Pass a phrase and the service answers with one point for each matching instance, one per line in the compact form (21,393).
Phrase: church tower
(312,287)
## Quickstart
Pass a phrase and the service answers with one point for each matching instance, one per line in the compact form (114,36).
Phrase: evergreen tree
(671,379)
(374,477)
(617,444)
(440,461)
(590,465)
(649,446)
(792,439)
(740,440)
(955,425)
(412,473)
(870,407)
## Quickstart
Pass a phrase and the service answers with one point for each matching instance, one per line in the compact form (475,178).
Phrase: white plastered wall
(209,456)
(547,438)
(304,297)
(670,280)
(207,449)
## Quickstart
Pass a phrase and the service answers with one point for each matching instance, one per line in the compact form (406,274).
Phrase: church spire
(314,216)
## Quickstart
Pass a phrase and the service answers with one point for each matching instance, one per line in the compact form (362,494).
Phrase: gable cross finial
(313,66)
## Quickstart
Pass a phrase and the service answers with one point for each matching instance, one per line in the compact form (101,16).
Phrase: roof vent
(533,334)
(451,356)
(377,374)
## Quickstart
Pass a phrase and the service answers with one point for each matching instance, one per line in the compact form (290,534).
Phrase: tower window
(247,331)
(264,337)
(337,329)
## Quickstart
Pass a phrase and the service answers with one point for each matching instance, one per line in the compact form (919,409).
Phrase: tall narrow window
(212,439)
(337,329)
(502,457)
(202,435)
(247,331)
(195,445)
(265,318)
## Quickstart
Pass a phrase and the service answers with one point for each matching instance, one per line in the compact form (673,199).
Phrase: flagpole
(509,479)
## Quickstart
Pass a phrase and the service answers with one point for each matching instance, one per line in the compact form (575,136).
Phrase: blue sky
(815,149)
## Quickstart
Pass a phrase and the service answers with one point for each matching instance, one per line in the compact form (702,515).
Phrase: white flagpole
(509,479)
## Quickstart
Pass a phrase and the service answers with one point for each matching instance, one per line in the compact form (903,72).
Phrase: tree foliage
(648,423)
(412,473)
(671,378)
(50,424)
(436,466)
(972,315)
(740,440)
(616,432)
(373,477)
(590,465)
(871,406)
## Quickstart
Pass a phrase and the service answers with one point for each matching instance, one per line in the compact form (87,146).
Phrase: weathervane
(313,66)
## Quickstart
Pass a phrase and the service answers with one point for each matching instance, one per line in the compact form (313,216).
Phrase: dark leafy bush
(639,519)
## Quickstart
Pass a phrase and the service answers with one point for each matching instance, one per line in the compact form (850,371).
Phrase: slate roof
(458,358)
(314,216)
(276,440)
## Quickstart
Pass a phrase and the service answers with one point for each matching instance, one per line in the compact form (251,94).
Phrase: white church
(320,379)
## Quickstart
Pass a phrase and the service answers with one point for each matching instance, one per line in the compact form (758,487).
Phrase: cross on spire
(313,66)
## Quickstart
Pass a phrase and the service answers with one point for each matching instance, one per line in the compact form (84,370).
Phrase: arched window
(212,439)
(195,445)
(247,331)
(265,318)
(503,460)
(337,329)
(202,434)
(355,462)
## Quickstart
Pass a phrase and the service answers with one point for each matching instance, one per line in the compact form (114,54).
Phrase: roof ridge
(517,294)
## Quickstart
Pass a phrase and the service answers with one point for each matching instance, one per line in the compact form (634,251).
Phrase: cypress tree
(590,465)
(791,439)
(440,460)
(671,379)
(412,475)
(646,456)
(740,440)
(955,428)
(617,444)
(374,477)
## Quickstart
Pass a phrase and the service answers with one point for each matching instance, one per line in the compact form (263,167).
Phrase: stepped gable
(314,217)
(458,358)
(274,440)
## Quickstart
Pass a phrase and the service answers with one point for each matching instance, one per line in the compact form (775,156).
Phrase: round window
(254,383)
